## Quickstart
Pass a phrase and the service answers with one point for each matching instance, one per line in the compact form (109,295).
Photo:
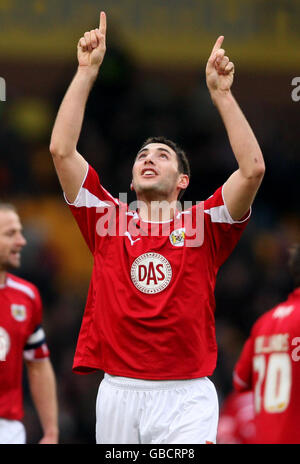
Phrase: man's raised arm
(241,187)
(70,166)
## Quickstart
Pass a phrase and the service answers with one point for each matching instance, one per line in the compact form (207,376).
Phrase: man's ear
(131,186)
(183,181)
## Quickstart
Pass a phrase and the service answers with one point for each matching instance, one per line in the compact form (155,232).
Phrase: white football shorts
(135,411)
(12,432)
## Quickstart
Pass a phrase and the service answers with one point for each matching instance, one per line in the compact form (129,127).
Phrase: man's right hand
(92,47)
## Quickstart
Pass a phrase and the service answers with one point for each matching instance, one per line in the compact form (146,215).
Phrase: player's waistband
(141,384)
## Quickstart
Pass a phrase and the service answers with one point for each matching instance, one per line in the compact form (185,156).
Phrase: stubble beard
(7,265)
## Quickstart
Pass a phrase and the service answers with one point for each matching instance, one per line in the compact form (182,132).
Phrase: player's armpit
(239,193)
(71,171)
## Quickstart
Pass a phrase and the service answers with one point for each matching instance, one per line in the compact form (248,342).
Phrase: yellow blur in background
(157,31)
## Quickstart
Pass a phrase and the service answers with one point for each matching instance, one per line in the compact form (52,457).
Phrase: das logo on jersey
(18,312)
(151,273)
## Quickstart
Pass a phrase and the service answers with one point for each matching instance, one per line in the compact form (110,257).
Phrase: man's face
(155,172)
(11,240)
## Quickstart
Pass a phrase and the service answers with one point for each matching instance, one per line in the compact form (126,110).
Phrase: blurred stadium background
(152,82)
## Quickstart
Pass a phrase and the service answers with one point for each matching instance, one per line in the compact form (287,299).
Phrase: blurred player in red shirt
(149,317)
(269,365)
(22,338)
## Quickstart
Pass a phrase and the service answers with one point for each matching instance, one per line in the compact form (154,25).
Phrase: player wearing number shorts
(269,365)
(149,316)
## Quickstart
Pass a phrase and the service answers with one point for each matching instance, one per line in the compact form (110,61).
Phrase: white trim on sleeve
(239,381)
(85,198)
(37,337)
(22,287)
(221,214)
(88,200)
(232,220)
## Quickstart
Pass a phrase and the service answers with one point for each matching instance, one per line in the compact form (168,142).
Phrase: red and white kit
(21,336)
(270,366)
(150,307)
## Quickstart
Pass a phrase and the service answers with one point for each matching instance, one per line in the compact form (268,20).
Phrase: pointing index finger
(217,46)
(102,23)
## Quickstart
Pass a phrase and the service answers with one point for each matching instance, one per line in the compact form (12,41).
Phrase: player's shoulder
(22,285)
(93,194)
(215,199)
(289,309)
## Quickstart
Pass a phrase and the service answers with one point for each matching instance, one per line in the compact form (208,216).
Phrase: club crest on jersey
(4,344)
(18,312)
(151,273)
(177,237)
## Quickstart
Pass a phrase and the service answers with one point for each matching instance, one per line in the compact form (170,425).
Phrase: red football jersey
(21,336)
(150,307)
(270,365)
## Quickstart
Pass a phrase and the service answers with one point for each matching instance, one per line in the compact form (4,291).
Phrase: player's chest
(132,238)
(152,262)
(174,245)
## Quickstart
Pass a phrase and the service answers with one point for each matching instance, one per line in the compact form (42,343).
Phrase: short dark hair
(183,162)
(294,263)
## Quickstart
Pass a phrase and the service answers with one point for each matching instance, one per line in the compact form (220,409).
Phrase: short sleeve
(222,229)
(92,201)
(242,375)
(36,346)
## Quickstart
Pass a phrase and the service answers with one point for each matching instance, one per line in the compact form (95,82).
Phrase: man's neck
(2,277)
(157,211)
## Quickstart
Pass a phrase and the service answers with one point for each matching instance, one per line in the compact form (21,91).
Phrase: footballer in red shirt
(22,339)
(149,316)
(269,365)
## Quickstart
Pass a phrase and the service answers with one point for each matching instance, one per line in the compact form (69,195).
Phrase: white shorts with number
(12,432)
(138,411)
